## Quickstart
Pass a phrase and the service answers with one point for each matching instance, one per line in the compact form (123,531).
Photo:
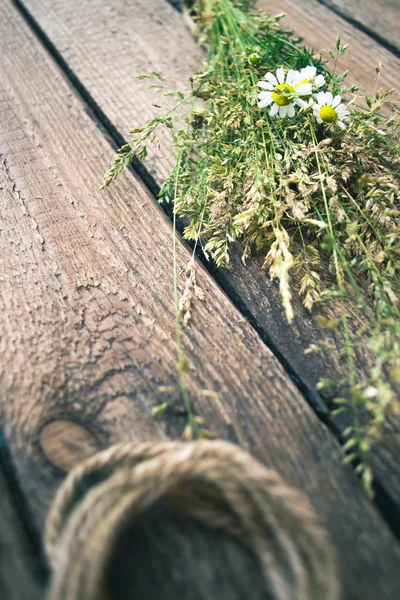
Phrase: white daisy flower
(309,75)
(330,110)
(283,92)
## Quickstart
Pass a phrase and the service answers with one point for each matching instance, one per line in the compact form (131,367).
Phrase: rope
(214,484)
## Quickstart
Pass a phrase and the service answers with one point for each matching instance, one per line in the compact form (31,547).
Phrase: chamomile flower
(309,75)
(330,110)
(283,92)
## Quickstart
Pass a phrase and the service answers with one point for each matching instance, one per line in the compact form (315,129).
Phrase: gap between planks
(23,572)
(380,19)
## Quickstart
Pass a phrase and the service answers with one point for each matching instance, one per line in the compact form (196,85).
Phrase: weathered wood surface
(379,17)
(125,41)
(18,571)
(87,323)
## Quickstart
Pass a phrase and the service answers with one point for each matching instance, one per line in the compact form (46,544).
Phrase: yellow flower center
(328,114)
(280,94)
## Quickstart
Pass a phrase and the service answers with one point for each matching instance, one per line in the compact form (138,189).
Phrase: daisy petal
(265,84)
(283,110)
(329,98)
(280,75)
(319,120)
(274,110)
(308,72)
(271,78)
(297,78)
(341,110)
(341,125)
(290,110)
(263,95)
(264,102)
(319,81)
(290,77)
(300,102)
(320,98)
(304,89)
(336,101)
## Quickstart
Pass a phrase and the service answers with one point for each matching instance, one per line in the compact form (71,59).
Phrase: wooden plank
(150,36)
(18,569)
(87,324)
(379,17)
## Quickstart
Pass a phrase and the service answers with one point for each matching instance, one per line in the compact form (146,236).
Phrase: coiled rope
(214,484)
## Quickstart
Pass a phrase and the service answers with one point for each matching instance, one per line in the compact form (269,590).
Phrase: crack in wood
(17,193)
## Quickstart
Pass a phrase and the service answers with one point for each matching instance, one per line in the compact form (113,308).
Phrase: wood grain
(148,36)
(18,575)
(87,324)
(380,17)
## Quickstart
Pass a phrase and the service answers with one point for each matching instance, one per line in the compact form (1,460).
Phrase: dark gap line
(177,4)
(22,508)
(363,28)
(383,501)
(94,111)
(382,41)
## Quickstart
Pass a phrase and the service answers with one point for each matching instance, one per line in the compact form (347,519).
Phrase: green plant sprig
(324,207)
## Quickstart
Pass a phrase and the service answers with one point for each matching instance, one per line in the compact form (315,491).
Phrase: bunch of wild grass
(320,202)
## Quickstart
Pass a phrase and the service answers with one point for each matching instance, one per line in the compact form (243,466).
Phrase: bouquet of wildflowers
(276,153)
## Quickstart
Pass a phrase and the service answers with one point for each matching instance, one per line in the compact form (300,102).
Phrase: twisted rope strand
(215,483)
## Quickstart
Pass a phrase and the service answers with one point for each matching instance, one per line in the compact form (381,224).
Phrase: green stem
(182,362)
(328,216)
